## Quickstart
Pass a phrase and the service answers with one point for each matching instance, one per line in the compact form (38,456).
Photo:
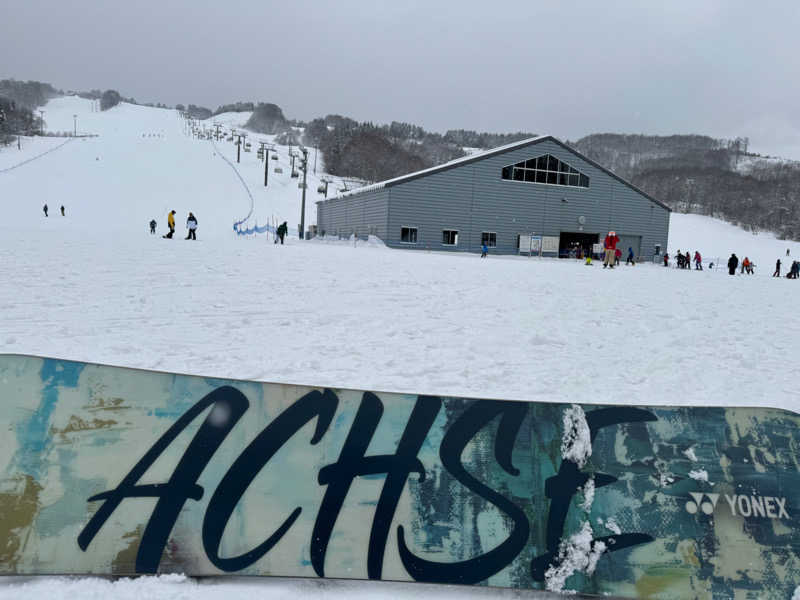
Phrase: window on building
(408,235)
(545,169)
(449,237)
(489,238)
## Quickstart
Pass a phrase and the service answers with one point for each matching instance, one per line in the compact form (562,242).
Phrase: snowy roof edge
(458,162)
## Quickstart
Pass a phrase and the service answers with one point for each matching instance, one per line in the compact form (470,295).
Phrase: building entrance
(576,244)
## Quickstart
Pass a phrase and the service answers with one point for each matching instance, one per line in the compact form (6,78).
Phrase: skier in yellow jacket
(170,224)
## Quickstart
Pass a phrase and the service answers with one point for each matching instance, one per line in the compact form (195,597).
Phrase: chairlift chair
(295,174)
(278,170)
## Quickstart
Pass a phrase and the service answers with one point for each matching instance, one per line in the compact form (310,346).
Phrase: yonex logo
(707,506)
(740,505)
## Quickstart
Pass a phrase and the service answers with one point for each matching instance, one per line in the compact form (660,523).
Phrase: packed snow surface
(94,285)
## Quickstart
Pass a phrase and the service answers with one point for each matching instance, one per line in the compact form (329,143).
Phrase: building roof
(465,160)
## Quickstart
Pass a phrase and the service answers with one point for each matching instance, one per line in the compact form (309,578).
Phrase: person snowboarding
(777,272)
(733,262)
(152,226)
(629,260)
(698,261)
(62,211)
(610,245)
(44,208)
(191,224)
(484,250)
(170,224)
(281,231)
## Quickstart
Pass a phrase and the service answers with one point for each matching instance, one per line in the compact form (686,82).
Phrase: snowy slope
(141,166)
(230,119)
(95,286)
(717,239)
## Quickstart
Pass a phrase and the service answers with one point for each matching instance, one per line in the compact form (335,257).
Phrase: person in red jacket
(610,245)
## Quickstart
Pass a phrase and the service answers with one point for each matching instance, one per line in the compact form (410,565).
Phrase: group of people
(612,254)
(685,260)
(191,225)
(794,270)
(45,209)
(747,265)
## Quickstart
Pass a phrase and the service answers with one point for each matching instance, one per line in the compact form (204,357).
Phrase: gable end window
(408,235)
(545,169)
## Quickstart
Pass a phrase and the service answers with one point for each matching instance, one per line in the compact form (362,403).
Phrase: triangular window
(545,169)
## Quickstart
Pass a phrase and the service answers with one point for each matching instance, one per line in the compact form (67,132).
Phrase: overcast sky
(721,68)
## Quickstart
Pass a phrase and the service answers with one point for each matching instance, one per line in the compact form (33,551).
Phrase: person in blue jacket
(629,260)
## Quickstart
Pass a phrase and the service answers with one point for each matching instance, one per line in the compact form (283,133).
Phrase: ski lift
(301,185)
(274,157)
(321,189)
(295,174)
(278,170)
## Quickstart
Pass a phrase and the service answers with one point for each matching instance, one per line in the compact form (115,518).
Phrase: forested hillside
(703,175)
(18,99)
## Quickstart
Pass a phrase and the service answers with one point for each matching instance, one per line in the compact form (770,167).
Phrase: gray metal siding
(474,198)
(361,214)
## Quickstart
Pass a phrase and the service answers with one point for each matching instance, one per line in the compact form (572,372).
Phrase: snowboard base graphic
(116,471)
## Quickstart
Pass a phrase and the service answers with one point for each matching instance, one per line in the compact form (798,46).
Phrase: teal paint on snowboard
(119,471)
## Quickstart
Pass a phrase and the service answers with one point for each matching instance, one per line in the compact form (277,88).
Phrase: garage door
(630,241)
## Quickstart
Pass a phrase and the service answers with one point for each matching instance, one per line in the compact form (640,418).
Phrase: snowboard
(117,471)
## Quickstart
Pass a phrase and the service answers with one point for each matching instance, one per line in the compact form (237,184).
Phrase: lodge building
(535,194)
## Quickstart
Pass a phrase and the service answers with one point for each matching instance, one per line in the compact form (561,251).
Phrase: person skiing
(733,262)
(484,250)
(679,259)
(617,256)
(777,272)
(629,260)
(191,223)
(62,211)
(282,230)
(787,252)
(170,224)
(745,266)
(698,261)
(666,259)
(153,226)
(44,208)
(687,261)
(610,245)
